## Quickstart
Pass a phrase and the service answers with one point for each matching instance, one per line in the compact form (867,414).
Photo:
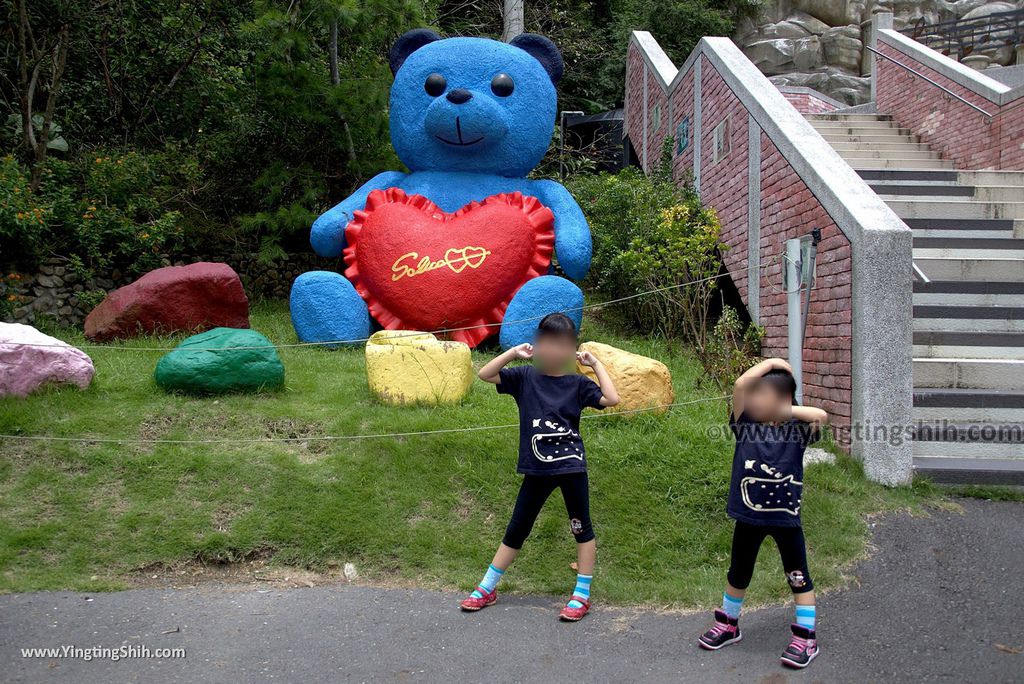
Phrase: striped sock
(582,591)
(487,584)
(805,616)
(731,605)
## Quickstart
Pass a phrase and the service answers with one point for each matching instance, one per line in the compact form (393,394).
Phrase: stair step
(993,374)
(988,227)
(1008,313)
(967,433)
(951,268)
(946,344)
(926,188)
(909,174)
(964,414)
(895,147)
(845,135)
(972,319)
(946,470)
(969,242)
(969,398)
(916,207)
(998,193)
(968,293)
(901,153)
(847,116)
(970,450)
(979,252)
(904,164)
(992,177)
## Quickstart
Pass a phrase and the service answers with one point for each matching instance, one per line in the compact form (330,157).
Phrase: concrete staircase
(968,230)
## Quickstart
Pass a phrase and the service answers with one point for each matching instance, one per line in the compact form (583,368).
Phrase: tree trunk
(512,19)
(336,81)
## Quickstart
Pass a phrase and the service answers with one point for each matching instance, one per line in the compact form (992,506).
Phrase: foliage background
(220,124)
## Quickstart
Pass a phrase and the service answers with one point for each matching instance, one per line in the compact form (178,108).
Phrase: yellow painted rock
(642,382)
(409,367)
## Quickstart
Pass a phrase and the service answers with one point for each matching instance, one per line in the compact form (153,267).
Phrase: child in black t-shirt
(551,396)
(765,496)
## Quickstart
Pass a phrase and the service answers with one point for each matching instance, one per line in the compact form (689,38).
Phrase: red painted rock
(420,268)
(189,298)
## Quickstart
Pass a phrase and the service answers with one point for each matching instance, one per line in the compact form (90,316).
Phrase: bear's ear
(408,43)
(544,51)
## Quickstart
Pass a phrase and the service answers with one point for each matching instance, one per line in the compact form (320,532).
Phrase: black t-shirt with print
(768,471)
(549,418)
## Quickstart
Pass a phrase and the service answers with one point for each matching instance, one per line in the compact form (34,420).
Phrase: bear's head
(473,104)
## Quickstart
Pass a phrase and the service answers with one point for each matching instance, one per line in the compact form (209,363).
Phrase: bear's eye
(435,85)
(502,85)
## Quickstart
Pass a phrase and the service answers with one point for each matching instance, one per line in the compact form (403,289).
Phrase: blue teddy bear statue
(470,118)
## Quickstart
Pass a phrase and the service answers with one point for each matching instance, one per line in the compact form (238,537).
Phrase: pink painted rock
(29,359)
(189,298)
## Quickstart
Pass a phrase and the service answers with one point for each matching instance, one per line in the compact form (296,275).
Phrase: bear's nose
(459,95)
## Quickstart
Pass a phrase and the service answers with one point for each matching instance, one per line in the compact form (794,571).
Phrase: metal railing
(963,36)
(988,116)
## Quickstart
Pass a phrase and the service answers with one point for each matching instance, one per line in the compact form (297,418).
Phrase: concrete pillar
(879,22)
(753,219)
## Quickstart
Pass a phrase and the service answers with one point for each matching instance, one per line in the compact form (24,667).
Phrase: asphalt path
(940,599)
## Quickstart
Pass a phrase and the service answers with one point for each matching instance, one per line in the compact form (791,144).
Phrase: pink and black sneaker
(802,649)
(725,631)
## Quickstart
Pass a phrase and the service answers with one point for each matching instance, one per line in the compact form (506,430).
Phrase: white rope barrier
(338,438)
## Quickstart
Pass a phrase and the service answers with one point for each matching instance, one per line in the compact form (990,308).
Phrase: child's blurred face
(764,402)
(554,352)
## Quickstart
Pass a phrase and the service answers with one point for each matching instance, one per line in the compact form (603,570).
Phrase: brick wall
(723,184)
(788,209)
(951,127)
(808,103)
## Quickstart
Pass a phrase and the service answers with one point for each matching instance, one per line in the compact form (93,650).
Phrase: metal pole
(794,317)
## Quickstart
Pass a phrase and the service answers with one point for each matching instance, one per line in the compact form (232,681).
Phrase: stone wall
(819,44)
(56,294)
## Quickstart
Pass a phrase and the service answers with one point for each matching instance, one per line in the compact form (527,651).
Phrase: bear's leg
(534,300)
(326,308)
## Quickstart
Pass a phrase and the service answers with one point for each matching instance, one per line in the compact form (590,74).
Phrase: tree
(512,19)
(42,56)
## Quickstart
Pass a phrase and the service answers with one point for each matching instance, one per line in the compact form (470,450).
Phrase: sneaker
(570,614)
(473,604)
(725,631)
(802,649)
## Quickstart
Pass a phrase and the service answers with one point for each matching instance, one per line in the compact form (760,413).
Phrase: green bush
(103,210)
(732,348)
(650,235)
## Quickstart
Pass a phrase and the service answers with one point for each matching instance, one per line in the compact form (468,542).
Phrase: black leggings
(746,542)
(535,490)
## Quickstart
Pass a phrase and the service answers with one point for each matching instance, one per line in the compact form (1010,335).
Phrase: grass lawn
(427,510)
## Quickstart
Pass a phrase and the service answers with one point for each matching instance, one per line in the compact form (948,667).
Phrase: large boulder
(641,382)
(172,299)
(807,53)
(29,360)
(410,367)
(219,361)
(842,48)
(771,56)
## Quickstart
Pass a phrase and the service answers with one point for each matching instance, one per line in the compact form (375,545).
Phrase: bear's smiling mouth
(460,142)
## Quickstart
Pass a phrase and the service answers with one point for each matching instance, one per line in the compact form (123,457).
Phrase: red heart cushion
(420,268)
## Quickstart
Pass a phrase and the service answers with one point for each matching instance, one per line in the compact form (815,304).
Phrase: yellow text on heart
(412,264)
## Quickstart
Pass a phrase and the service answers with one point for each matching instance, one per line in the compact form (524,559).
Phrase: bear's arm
(572,234)
(328,233)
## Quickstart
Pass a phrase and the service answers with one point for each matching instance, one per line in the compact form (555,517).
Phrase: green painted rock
(221,360)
